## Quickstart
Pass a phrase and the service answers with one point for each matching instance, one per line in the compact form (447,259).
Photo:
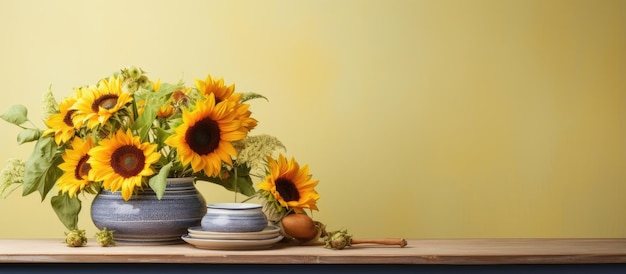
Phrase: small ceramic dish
(234,217)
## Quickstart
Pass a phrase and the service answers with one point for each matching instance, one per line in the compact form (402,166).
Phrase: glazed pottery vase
(146,220)
(234,217)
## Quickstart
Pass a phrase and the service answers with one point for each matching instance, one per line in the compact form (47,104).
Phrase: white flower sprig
(11,176)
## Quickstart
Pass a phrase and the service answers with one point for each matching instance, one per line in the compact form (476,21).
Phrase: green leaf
(159,182)
(245,185)
(166,89)
(17,115)
(67,209)
(161,135)
(251,95)
(244,182)
(28,135)
(145,120)
(153,101)
(41,171)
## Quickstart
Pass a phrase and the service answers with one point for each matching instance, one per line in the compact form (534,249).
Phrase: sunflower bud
(338,239)
(75,238)
(105,238)
(166,111)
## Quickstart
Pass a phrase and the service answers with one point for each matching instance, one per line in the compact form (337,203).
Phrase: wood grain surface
(417,251)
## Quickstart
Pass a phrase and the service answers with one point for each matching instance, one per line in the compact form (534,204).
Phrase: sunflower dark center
(107,101)
(203,137)
(82,168)
(68,117)
(287,189)
(127,161)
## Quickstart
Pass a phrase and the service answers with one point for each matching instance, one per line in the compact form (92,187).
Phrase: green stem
(249,198)
(235,182)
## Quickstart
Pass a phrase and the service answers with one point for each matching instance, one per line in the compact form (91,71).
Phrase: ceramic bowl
(234,217)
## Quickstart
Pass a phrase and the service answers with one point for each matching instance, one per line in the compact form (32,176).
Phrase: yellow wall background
(421,119)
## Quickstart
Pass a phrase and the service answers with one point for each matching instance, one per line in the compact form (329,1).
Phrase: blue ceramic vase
(146,220)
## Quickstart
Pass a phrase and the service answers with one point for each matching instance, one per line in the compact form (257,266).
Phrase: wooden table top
(418,251)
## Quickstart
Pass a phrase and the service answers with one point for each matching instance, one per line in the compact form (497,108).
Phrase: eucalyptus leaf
(67,209)
(28,135)
(159,182)
(16,114)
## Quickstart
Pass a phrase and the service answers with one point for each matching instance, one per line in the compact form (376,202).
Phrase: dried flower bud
(180,97)
(134,72)
(75,238)
(144,82)
(131,87)
(338,239)
(105,238)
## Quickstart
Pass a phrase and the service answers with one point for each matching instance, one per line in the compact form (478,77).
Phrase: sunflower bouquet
(127,132)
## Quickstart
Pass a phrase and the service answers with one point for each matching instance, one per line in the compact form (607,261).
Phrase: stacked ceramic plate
(204,239)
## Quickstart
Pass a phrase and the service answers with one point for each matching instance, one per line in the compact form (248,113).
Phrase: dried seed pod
(105,238)
(338,239)
(75,238)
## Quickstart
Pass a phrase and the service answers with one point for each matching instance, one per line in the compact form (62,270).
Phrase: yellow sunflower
(218,88)
(243,114)
(77,171)
(204,139)
(62,124)
(121,161)
(99,103)
(223,93)
(290,185)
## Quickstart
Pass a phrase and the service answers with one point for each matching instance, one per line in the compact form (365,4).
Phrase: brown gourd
(299,226)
